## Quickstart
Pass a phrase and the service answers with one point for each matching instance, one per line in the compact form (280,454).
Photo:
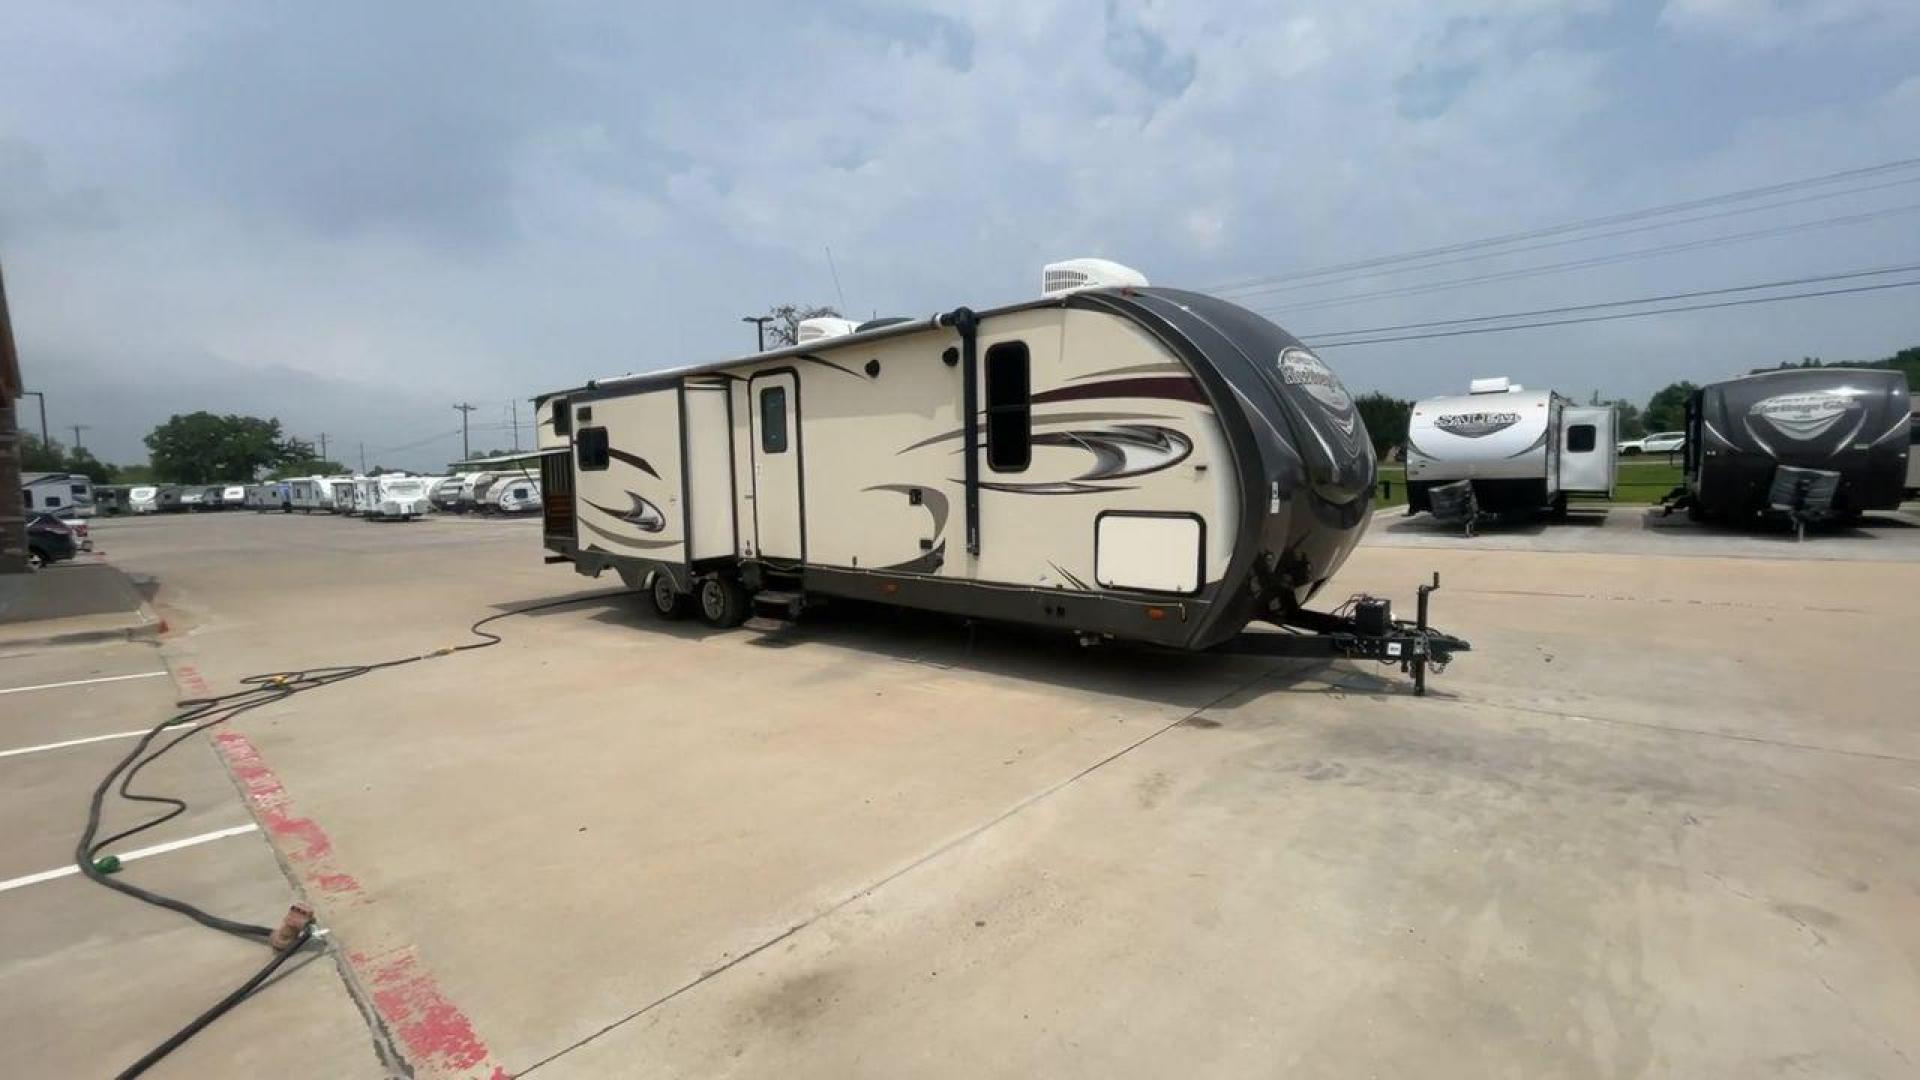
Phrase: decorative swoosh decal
(634,460)
(1119,453)
(1176,388)
(627,541)
(644,516)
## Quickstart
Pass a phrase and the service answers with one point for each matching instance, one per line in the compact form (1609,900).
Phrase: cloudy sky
(351,215)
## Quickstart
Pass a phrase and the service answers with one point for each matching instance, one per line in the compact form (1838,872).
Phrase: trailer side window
(1580,438)
(562,417)
(773,420)
(591,447)
(1009,407)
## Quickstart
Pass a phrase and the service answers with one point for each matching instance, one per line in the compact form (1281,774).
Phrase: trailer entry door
(775,408)
(1587,450)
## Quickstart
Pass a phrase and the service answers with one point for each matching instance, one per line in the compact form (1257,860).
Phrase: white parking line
(82,682)
(76,742)
(129,856)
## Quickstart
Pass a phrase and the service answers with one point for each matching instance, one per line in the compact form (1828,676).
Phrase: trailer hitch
(1362,629)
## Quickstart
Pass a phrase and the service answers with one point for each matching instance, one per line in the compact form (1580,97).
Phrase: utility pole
(760,327)
(465,450)
(513,405)
(46,442)
(323,446)
(363,459)
(77,429)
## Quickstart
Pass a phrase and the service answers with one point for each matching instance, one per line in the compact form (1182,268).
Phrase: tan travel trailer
(1113,460)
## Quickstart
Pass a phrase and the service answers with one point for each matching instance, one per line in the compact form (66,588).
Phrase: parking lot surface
(1661,821)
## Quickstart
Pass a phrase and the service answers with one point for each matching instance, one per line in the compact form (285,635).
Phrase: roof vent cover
(1499,384)
(1072,275)
(826,326)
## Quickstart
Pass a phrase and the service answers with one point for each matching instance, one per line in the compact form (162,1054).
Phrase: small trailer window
(1009,407)
(1580,438)
(773,420)
(591,447)
(562,418)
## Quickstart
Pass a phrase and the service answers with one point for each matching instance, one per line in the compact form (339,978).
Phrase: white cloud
(1768,24)
(480,207)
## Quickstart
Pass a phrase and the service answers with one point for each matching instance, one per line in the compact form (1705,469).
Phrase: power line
(1624,315)
(1597,260)
(1581,225)
(1565,241)
(418,444)
(1787,283)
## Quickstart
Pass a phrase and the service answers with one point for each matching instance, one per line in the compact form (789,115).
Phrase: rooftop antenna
(836,277)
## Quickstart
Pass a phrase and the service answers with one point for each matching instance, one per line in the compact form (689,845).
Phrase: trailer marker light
(889,588)
(1156,614)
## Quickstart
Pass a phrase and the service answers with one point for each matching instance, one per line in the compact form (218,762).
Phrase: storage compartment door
(1152,552)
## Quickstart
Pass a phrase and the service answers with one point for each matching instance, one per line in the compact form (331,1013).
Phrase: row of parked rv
(1810,443)
(392,496)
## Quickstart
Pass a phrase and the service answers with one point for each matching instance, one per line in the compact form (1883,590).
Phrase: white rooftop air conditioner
(825,326)
(1072,275)
(1499,384)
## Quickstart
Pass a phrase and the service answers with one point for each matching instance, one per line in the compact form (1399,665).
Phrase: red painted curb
(436,1037)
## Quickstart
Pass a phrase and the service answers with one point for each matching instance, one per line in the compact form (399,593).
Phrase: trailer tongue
(1361,629)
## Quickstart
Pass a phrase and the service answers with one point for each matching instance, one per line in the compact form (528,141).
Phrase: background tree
(1386,420)
(36,456)
(1667,409)
(201,448)
(784,330)
(1625,413)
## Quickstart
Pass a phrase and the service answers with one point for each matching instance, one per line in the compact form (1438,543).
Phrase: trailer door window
(1009,407)
(1581,438)
(591,447)
(773,420)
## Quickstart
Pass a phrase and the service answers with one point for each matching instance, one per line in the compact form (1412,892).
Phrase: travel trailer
(393,498)
(517,495)
(1510,450)
(1117,462)
(143,499)
(427,486)
(472,487)
(272,495)
(172,498)
(1809,442)
(445,493)
(111,499)
(310,493)
(53,492)
(342,489)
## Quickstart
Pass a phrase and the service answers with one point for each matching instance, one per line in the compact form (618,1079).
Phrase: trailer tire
(723,603)
(668,602)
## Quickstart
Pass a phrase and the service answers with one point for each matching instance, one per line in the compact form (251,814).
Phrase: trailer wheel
(668,602)
(723,602)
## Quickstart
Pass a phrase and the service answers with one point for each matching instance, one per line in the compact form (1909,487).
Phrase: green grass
(1637,482)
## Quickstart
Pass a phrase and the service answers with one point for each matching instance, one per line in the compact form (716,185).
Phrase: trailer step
(778,604)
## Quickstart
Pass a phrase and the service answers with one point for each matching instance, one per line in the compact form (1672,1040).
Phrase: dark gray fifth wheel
(668,602)
(723,602)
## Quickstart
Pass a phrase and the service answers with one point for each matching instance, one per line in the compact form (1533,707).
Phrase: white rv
(310,493)
(472,487)
(516,495)
(143,499)
(393,498)
(1111,460)
(342,490)
(63,494)
(1517,450)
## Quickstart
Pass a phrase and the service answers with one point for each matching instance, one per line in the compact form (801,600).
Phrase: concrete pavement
(1660,822)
